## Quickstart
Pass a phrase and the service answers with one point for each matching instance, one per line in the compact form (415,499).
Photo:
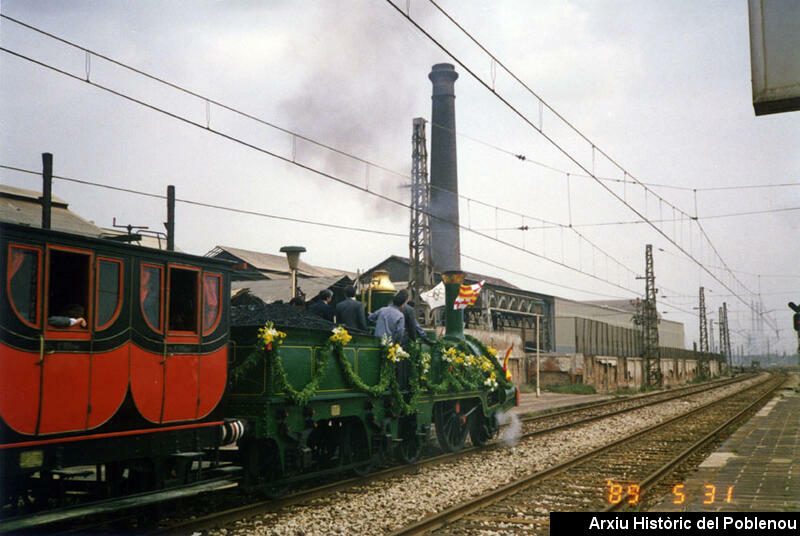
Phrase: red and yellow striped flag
(505,362)
(467,295)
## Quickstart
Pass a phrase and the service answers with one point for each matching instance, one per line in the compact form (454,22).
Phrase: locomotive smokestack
(445,246)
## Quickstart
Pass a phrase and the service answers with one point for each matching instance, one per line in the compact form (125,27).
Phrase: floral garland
(503,380)
(267,342)
(460,370)
(386,372)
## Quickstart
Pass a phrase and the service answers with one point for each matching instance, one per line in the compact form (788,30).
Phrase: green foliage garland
(501,378)
(453,377)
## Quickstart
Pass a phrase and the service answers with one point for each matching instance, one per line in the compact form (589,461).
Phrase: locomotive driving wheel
(481,429)
(263,470)
(410,448)
(451,425)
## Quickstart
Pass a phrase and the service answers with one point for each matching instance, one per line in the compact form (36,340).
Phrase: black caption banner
(674,523)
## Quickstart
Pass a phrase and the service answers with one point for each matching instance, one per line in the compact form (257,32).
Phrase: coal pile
(248,309)
(280,314)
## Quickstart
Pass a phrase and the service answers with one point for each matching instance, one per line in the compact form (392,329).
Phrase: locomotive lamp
(380,291)
(293,258)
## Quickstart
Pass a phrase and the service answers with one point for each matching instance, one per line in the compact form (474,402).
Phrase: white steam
(513,428)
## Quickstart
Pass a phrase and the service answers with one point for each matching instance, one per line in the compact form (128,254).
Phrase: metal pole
(47,185)
(170,225)
(294,283)
(538,393)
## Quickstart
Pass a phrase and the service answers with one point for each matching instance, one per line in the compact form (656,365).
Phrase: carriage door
(66,363)
(183,337)
(148,356)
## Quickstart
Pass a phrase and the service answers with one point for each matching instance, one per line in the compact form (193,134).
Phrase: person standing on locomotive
(413,330)
(389,320)
(350,312)
(321,305)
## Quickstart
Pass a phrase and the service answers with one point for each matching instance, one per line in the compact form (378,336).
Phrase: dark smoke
(354,100)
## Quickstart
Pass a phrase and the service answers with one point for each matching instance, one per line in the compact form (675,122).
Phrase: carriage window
(150,295)
(108,291)
(23,277)
(183,306)
(68,287)
(211,302)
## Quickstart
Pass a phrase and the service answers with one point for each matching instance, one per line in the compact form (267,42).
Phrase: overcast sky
(663,88)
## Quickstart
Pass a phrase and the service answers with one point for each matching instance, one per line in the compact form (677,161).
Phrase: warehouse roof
(275,266)
(24,207)
(271,290)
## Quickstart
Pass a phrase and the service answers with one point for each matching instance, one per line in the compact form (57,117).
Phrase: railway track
(535,426)
(613,476)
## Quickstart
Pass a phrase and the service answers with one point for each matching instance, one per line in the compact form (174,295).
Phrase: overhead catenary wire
(207,125)
(208,128)
(208,101)
(294,220)
(212,205)
(306,167)
(558,146)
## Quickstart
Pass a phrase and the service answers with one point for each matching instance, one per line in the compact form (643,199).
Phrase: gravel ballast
(383,506)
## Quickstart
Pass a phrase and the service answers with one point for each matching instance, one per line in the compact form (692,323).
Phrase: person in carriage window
(74,315)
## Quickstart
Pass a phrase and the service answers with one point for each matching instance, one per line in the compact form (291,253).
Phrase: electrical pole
(650,324)
(704,364)
(420,268)
(724,335)
(712,346)
(721,322)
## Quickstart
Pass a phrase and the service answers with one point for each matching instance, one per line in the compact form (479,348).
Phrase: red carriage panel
(147,382)
(65,393)
(20,381)
(109,384)
(180,392)
(213,371)
(193,388)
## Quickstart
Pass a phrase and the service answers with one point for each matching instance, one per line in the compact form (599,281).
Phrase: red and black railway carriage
(128,394)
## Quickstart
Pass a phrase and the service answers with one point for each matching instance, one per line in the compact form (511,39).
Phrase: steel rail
(652,479)
(459,511)
(262,507)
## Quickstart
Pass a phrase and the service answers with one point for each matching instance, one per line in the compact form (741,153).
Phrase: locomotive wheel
(480,429)
(451,425)
(409,450)
(262,463)
(356,448)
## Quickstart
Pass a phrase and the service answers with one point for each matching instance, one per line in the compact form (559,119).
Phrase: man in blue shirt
(389,320)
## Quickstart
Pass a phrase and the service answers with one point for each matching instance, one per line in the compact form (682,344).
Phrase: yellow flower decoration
(396,353)
(269,335)
(450,354)
(340,335)
(492,351)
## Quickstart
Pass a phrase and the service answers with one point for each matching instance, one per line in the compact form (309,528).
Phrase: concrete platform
(530,403)
(757,469)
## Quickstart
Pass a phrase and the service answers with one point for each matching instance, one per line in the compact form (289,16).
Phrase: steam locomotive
(147,388)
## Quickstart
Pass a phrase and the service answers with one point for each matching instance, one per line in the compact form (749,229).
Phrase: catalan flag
(467,295)
(505,362)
